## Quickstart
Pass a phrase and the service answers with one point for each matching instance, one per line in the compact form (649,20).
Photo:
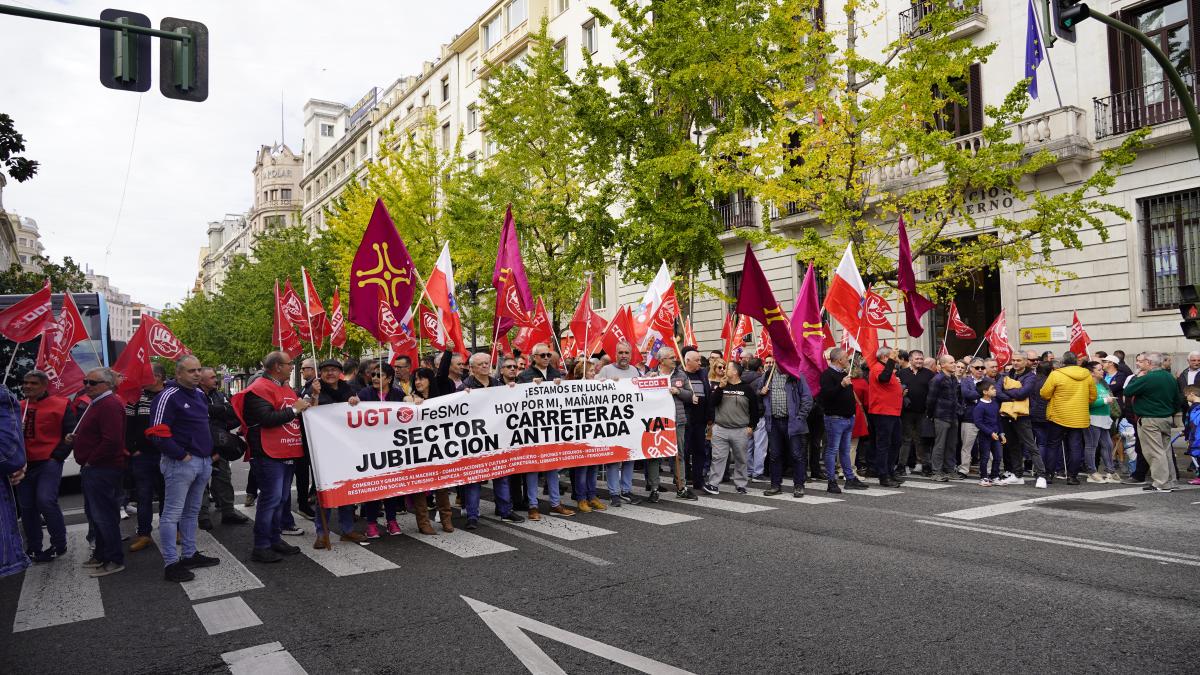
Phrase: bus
(97,351)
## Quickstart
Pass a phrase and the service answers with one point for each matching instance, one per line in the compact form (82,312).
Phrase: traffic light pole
(94,23)
(1181,91)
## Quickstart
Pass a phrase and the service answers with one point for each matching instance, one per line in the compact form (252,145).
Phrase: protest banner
(375,450)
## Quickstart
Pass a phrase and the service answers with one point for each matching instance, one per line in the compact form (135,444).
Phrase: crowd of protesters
(1046,417)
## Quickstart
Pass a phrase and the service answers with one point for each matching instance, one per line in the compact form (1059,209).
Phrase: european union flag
(1033,51)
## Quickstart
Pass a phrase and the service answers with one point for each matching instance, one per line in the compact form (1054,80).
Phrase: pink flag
(757,301)
(513,298)
(915,304)
(809,331)
(381,265)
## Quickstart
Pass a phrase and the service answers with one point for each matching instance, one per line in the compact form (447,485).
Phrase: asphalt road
(925,578)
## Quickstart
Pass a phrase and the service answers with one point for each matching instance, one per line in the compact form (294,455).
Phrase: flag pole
(313,345)
(16,346)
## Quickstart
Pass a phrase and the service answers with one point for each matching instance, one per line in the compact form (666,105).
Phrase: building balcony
(1145,106)
(912,19)
(409,120)
(275,205)
(737,214)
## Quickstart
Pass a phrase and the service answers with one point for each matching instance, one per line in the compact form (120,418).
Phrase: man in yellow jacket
(1070,390)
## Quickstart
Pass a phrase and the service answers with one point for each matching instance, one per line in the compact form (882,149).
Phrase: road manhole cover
(1085,506)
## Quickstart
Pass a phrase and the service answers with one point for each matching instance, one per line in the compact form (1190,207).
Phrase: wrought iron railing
(737,214)
(1143,106)
(911,18)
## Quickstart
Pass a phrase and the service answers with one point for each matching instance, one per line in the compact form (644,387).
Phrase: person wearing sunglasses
(540,369)
(508,371)
(968,432)
(99,442)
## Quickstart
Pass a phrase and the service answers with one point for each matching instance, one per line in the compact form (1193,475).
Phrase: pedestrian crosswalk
(340,561)
(569,529)
(61,592)
(228,577)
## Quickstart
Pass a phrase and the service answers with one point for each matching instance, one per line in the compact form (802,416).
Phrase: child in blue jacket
(986,417)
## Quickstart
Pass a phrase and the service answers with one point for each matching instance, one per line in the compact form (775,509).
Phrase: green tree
(63,277)
(689,65)
(552,168)
(862,138)
(12,144)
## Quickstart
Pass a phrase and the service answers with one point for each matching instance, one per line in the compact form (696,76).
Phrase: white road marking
(1003,508)
(344,559)
(268,659)
(923,485)
(1140,549)
(873,492)
(599,562)
(222,616)
(60,592)
(569,529)
(228,577)
(510,628)
(648,515)
(809,499)
(1054,539)
(721,504)
(459,542)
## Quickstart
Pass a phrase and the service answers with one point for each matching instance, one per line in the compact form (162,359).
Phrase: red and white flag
(293,309)
(846,295)
(134,365)
(1080,340)
(537,332)
(997,339)
(586,324)
(27,318)
(314,310)
(764,344)
(337,321)
(942,351)
(656,294)
(662,321)
(689,335)
(620,329)
(398,337)
(431,328)
(955,323)
(54,353)
(161,340)
(441,293)
(283,335)
(875,311)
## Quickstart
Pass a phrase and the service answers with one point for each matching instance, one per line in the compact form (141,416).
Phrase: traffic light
(1065,14)
(1189,309)
(124,56)
(183,65)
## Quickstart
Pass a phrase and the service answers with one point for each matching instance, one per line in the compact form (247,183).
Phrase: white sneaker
(985,482)
(1041,483)
(1096,477)
(918,468)
(1013,479)
(1112,478)
(131,509)
(124,514)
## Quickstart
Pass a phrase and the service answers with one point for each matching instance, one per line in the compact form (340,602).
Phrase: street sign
(183,66)
(1041,334)
(125,56)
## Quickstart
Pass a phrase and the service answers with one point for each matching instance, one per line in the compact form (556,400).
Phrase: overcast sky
(191,162)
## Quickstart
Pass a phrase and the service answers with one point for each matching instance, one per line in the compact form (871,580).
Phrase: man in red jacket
(884,399)
(99,442)
(46,420)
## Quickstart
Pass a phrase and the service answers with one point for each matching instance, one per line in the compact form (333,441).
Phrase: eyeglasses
(720,367)
(977,368)
(511,365)
(92,383)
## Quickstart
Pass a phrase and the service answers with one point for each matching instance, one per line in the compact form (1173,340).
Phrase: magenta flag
(509,280)
(915,304)
(809,332)
(758,302)
(382,267)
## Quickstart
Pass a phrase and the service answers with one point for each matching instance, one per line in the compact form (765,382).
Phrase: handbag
(227,444)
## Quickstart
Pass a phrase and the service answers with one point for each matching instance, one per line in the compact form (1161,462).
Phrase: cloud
(191,162)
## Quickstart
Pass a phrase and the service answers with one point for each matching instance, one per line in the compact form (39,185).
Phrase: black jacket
(531,373)
(916,387)
(835,399)
(469,382)
(442,384)
(945,398)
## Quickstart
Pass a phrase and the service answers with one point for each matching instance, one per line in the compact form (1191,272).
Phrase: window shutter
(975,88)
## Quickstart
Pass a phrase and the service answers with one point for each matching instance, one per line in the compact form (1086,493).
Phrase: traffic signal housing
(183,65)
(1065,14)
(1189,309)
(124,56)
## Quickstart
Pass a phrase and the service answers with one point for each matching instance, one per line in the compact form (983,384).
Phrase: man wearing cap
(328,389)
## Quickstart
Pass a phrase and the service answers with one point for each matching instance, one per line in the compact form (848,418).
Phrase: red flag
(663,320)
(314,310)
(844,299)
(28,318)
(397,336)
(568,345)
(283,335)
(943,351)
(134,365)
(514,302)
(727,331)
(381,263)
(161,340)
(1080,340)
(827,341)
(586,324)
(537,332)
(997,339)
(756,300)
(431,328)
(337,321)
(54,352)
(875,311)
(620,329)
(915,304)
(441,293)
(293,309)
(956,324)
(764,344)
(689,335)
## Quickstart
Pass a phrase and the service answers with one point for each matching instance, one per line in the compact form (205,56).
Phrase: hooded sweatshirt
(1070,391)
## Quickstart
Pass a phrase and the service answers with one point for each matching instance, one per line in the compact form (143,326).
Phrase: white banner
(376,450)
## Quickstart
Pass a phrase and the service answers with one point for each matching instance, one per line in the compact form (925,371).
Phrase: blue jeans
(147,482)
(345,519)
(503,498)
(837,445)
(102,496)
(583,482)
(531,488)
(887,443)
(37,496)
(1058,437)
(779,442)
(988,448)
(185,483)
(274,478)
(620,478)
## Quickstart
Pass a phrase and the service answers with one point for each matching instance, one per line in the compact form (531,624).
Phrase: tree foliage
(12,144)
(63,277)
